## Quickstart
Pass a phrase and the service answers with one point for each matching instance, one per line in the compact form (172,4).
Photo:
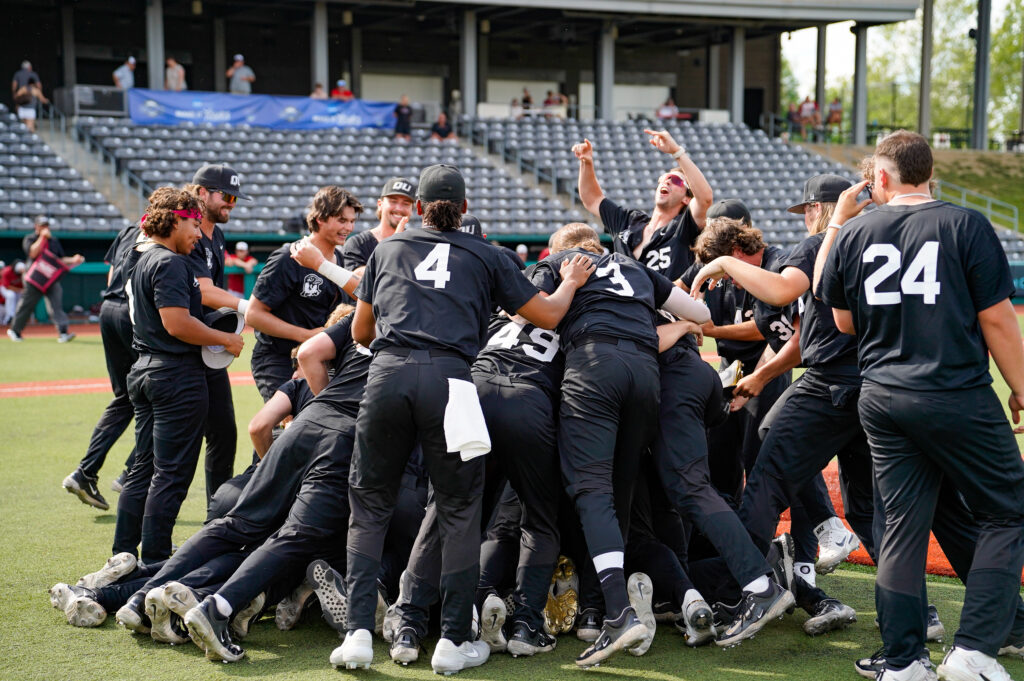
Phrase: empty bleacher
(35,181)
(282,170)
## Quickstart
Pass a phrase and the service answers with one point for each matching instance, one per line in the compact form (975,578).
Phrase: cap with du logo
(220,178)
(399,186)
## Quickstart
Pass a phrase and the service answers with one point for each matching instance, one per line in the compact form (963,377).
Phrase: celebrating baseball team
(453,446)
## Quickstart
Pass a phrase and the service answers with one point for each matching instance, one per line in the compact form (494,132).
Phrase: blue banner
(157,107)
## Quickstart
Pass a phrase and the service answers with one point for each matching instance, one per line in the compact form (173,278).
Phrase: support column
(67,33)
(739,38)
(318,46)
(714,77)
(483,61)
(860,85)
(983,37)
(220,56)
(819,81)
(924,96)
(467,62)
(355,79)
(155,43)
(604,72)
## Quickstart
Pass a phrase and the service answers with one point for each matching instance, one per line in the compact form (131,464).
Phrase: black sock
(613,585)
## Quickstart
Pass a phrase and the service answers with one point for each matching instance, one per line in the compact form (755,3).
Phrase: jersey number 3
(919,279)
(614,274)
(434,267)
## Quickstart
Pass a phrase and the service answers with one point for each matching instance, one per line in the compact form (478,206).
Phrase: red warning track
(81,386)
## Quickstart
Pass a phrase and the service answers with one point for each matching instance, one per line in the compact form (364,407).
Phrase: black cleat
(869,667)
(622,633)
(758,610)
(588,625)
(526,640)
(829,614)
(406,647)
(726,614)
(85,489)
(132,615)
(329,587)
(206,624)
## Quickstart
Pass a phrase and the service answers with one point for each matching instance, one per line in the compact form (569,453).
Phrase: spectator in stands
(341,91)
(515,109)
(522,251)
(810,117)
(242,77)
(403,119)
(792,118)
(174,76)
(442,130)
(835,116)
(527,100)
(47,264)
(318,92)
(26,90)
(124,76)
(241,258)
(668,110)
(11,287)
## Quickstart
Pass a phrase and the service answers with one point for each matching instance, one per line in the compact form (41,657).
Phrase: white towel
(464,426)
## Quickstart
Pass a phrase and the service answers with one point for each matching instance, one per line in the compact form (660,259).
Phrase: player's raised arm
(590,190)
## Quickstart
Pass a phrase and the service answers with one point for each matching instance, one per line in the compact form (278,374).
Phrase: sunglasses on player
(676,180)
(228,198)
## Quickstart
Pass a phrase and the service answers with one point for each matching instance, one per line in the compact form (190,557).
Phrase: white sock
(759,585)
(223,607)
(805,571)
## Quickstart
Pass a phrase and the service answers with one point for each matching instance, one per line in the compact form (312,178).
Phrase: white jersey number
(545,342)
(660,259)
(614,274)
(918,280)
(131,300)
(434,267)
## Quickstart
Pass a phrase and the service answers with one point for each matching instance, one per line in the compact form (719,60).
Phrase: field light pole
(924,97)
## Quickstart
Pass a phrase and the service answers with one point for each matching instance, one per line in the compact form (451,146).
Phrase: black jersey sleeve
(198,259)
(988,271)
(691,273)
(512,290)
(615,217)
(545,277)
(830,288)
(172,283)
(340,334)
(276,280)
(803,255)
(354,254)
(364,291)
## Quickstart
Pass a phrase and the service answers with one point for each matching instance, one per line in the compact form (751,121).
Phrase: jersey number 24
(919,279)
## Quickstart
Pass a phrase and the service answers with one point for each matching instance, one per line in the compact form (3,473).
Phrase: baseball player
(397,197)
(927,404)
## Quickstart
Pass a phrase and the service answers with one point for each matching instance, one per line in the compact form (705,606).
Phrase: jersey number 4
(918,280)
(434,267)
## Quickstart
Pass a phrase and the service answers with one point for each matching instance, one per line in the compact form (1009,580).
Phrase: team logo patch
(209,258)
(195,282)
(624,235)
(312,285)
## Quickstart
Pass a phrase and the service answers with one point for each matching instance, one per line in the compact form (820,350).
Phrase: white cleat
(161,629)
(79,609)
(697,623)
(450,659)
(835,544)
(961,664)
(640,590)
(916,671)
(355,652)
(492,621)
(116,567)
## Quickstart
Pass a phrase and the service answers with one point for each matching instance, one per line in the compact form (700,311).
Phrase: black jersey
(161,278)
(729,304)
(52,244)
(116,256)
(522,350)
(358,248)
(914,279)
(432,289)
(295,294)
(298,392)
(820,341)
(350,366)
(620,299)
(668,251)
(208,257)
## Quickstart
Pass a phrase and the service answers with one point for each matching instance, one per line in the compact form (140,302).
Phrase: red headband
(193,214)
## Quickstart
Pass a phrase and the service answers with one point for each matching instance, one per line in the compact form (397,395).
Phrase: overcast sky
(800,49)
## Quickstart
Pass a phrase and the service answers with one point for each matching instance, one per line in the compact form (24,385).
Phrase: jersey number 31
(919,279)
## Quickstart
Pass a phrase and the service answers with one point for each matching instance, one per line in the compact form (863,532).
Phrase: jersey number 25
(919,279)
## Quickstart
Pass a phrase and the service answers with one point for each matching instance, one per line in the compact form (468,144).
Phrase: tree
(1005,84)
(790,86)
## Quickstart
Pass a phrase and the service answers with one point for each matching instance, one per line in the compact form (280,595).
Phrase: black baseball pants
(270,369)
(917,439)
(170,398)
(221,431)
(116,332)
(404,403)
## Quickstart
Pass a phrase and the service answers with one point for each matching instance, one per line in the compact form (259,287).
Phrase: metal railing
(998,212)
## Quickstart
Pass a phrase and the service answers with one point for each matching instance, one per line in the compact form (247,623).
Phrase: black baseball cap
(821,189)
(399,186)
(220,178)
(471,225)
(441,182)
(730,208)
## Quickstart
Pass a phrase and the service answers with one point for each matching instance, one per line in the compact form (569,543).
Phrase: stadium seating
(34,181)
(282,170)
(766,173)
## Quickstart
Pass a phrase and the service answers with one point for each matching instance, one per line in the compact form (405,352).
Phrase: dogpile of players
(454,443)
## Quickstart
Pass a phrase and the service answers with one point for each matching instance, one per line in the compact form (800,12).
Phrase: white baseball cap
(521,248)
(241,246)
(131,60)
(239,57)
(223,319)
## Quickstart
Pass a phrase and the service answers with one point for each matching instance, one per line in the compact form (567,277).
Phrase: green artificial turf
(47,536)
